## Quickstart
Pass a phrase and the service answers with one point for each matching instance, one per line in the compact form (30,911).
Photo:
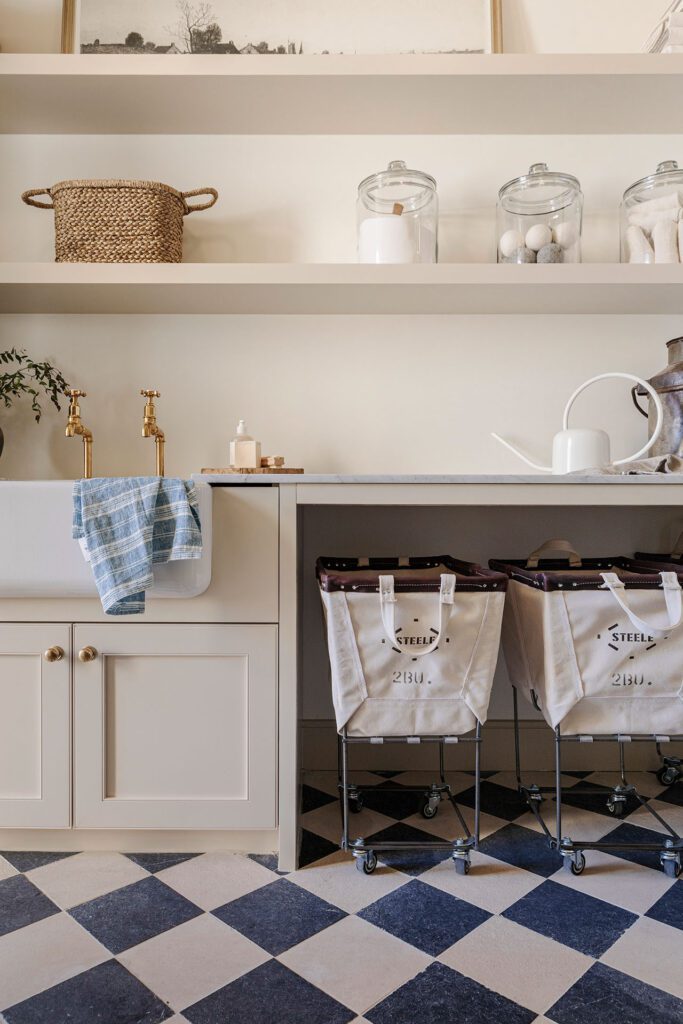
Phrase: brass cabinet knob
(53,654)
(87,654)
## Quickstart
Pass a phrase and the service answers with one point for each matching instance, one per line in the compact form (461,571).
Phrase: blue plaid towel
(125,525)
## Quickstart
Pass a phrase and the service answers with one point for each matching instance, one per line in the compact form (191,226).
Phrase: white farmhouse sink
(39,558)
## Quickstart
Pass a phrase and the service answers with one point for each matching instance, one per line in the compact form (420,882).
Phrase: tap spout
(76,428)
(150,428)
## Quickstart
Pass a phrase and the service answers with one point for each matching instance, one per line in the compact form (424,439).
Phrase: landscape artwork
(281,26)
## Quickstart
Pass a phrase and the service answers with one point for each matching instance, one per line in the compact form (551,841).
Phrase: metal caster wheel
(429,808)
(575,864)
(667,776)
(355,804)
(617,808)
(671,867)
(462,865)
(367,863)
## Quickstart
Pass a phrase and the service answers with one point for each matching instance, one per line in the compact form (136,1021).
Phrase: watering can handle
(634,396)
(643,384)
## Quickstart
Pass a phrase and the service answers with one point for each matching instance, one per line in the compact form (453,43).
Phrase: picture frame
(71,41)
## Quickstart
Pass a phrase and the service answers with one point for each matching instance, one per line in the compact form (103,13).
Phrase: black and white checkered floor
(218,938)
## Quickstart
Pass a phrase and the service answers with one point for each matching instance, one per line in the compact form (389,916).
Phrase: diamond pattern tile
(223,938)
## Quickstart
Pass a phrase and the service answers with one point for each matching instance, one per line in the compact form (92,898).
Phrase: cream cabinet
(35,720)
(175,726)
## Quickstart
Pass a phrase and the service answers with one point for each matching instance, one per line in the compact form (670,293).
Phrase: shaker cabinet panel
(175,726)
(35,721)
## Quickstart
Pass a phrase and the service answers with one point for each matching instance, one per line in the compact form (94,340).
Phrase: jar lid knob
(538,168)
(397,165)
(667,165)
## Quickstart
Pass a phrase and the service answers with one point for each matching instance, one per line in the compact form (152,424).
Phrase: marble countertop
(655,479)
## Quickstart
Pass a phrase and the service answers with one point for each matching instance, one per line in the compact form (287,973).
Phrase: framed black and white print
(175,27)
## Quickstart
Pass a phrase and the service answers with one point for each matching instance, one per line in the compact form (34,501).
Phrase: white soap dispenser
(245,452)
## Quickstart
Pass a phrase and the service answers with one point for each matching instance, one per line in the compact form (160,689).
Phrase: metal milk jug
(669,386)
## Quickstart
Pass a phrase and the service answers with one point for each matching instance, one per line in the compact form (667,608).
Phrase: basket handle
(27,197)
(672,596)
(200,192)
(554,545)
(387,598)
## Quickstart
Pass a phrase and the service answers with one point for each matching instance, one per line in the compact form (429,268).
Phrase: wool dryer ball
(537,236)
(510,242)
(565,234)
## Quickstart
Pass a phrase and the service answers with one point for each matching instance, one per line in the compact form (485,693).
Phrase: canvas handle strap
(672,595)
(550,546)
(388,601)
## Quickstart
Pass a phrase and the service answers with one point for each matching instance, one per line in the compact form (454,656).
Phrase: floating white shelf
(313,288)
(332,94)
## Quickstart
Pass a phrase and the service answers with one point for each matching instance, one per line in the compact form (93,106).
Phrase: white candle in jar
(386,239)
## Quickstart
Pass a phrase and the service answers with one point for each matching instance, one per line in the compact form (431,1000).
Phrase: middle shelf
(339,288)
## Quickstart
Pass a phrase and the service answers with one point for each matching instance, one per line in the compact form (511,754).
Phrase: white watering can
(587,447)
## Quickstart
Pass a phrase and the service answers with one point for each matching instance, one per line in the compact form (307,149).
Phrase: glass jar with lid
(651,226)
(397,215)
(539,218)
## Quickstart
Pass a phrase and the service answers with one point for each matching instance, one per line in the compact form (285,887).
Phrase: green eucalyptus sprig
(23,376)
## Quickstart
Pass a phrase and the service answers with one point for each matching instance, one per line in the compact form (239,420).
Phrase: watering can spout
(521,455)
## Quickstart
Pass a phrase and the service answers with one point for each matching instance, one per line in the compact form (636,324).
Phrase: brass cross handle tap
(150,427)
(76,428)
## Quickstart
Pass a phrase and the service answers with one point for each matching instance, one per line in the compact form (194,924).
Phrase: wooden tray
(247,472)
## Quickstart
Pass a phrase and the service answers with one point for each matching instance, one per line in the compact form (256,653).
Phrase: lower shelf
(340,288)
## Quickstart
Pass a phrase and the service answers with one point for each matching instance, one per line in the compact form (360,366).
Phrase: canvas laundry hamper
(412,642)
(596,643)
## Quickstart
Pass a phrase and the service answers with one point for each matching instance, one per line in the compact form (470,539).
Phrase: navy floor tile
(312,799)
(386,774)
(27,860)
(314,847)
(577,775)
(270,994)
(440,995)
(21,904)
(267,860)
(606,996)
(594,798)
(571,917)
(425,917)
(627,833)
(391,799)
(669,909)
(500,801)
(670,795)
(154,862)
(411,862)
(107,994)
(523,848)
(279,916)
(136,912)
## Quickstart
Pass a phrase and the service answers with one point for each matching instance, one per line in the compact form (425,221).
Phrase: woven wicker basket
(118,221)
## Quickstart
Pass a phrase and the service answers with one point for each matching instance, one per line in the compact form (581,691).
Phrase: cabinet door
(175,726)
(35,718)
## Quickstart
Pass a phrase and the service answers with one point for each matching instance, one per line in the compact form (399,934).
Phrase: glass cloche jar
(397,214)
(651,225)
(539,218)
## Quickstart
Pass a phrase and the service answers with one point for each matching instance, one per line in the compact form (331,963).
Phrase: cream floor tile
(336,879)
(44,954)
(528,968)
(78,879)
(216,878)
(458,781)
(509,779)
(617,881)
(491,884)
(326,821)
(6,869)
(645,783)
(576,823)
(648,951)
(355,962)
(447,825)
(670,812)
(189,962)
(327,782)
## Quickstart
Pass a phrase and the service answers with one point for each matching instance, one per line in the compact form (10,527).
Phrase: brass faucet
(75,427)
(150,428)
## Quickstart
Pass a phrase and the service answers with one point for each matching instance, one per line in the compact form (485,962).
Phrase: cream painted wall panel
(176,727)
(35,727)
(410,394)
(292,199)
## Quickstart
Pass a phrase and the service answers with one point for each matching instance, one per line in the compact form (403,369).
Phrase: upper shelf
(332,94)
(339,288)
